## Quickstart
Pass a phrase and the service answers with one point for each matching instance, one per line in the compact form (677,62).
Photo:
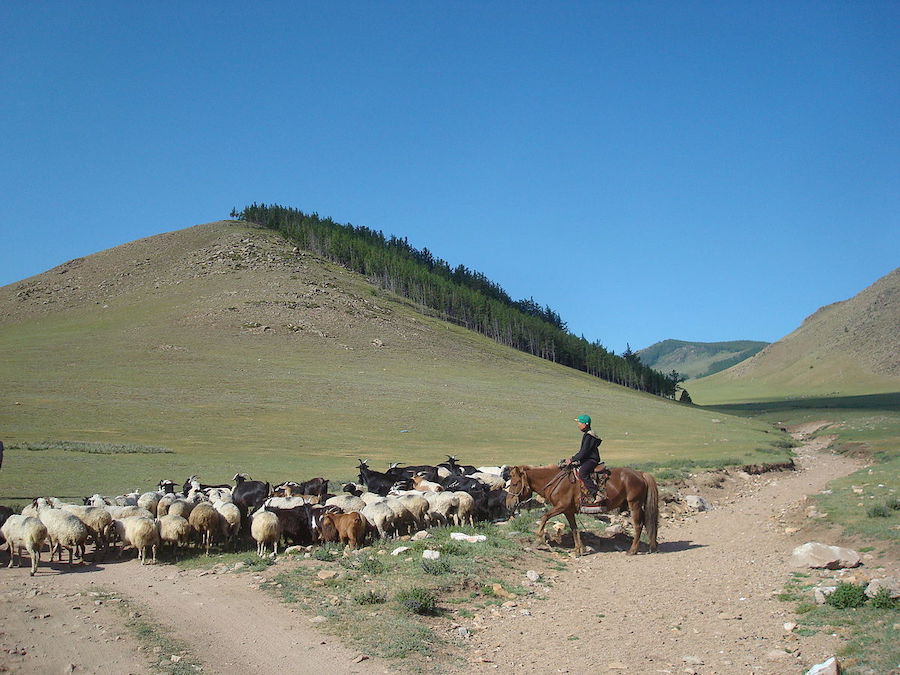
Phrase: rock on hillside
(862,332)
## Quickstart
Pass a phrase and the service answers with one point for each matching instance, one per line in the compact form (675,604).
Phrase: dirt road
(704,604)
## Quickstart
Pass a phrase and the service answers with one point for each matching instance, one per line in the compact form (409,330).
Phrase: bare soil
(704,604)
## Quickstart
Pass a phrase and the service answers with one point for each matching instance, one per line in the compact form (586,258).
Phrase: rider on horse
(588,456)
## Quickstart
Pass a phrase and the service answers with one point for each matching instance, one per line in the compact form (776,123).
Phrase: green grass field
(173,364)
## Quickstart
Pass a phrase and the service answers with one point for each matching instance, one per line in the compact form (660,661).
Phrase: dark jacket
(590,447)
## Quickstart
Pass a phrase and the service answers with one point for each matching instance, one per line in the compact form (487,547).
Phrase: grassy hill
(698,359)
(236,351)
(847,348)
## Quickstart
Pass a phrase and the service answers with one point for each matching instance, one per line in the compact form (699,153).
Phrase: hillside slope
(238,352)
(846,348)
(698,359)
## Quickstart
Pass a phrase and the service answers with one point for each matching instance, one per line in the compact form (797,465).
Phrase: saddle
(587,502)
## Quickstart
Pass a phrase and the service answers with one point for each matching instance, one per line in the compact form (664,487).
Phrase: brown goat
(344,527)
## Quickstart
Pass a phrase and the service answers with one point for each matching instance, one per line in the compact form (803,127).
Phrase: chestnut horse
(561,489)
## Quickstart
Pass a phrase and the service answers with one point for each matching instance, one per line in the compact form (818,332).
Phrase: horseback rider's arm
(588,449)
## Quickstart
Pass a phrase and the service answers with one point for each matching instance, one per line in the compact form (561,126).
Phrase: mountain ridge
(698,359)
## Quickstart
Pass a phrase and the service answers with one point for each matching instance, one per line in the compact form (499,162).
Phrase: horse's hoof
(630,552)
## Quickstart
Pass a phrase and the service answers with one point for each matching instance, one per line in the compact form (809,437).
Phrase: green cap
(584,419)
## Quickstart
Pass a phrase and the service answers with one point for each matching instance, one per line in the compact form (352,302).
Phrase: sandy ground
(61,622)
(704,604)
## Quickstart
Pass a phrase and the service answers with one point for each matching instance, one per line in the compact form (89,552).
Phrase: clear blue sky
(692,170)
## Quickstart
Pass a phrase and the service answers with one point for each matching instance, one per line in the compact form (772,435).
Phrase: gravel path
(704,604)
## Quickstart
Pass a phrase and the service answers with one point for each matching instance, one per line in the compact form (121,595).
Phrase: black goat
(462,483)
(248,494)
(317,487)
(407,472)
(187,485)
(459,469)
(377,482)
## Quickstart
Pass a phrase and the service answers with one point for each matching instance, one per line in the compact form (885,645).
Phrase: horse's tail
(651,510)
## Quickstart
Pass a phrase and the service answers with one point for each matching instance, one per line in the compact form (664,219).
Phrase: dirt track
(704,604)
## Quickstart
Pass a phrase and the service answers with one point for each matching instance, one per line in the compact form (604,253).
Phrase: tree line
(457,294)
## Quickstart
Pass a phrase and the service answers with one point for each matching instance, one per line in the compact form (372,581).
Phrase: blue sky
(694,170)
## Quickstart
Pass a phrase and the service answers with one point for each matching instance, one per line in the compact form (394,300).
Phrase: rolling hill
(847,348)
(697,359)
(238,351)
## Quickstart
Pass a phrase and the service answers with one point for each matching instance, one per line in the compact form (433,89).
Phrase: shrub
(847,595)
(417,600)
(454,548)
(370,598)
(879,511)
(883,600)
(436,567)
(372,566)
(325,552)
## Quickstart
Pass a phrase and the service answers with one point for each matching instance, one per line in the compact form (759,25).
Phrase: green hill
(697,359)
(848,348)
(238,351)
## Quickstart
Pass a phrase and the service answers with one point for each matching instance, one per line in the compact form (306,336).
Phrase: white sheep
(441,506)
(265,529)
(346,503)
(180,507)
(24,532)
(173,530)
(493,481)
(423,485)
(149,501)
(135,511)
(98,521)
(281,503)
(381,517)
(206,522)
(219,495)
(417,505)
(230,522)
(128,499)
(371,498)
(64,530)
(162,507)
(139,532)
(465,509)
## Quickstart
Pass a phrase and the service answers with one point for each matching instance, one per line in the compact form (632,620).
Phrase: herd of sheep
(400,501)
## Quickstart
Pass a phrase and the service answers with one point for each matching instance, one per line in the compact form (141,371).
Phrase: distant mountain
(698,359)
(850,347)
